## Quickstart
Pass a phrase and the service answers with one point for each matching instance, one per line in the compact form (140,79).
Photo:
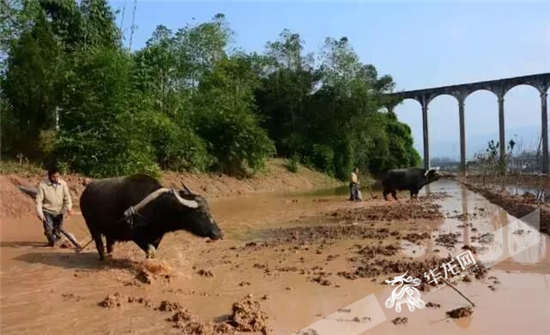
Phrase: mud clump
(321,280)
(205,273)
(372,251)
(71,296)
(400,321)
(394,212)
(433,305)
(156,267)
(145,302)
(248,316)
(416,237)
(378,267)
(447,240)
(479,271)
(460,312)
(145,277)
(486,238)
(111,301)
(471,248)
(167,306)
(309,234)
(150,270)
(182,315)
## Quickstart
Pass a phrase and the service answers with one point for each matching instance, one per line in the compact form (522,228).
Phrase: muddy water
(56,291)
(520,259)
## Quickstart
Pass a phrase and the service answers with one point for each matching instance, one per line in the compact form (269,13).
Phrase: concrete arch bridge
(499,87)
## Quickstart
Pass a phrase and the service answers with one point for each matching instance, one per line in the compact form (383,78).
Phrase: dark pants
(353,192)
(52,224)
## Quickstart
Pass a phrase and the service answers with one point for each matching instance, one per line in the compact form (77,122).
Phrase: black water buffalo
(411,179)
(137,208)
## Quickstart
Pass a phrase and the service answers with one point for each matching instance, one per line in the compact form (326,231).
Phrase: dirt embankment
(515,205)
(529,181)
(274,178)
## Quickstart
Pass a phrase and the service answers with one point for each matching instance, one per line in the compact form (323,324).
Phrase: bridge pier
(501,135)
(544,130)
(425,133)
(462,135)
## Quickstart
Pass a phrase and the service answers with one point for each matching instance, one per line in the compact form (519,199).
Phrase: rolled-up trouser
(353,194)
(52,224)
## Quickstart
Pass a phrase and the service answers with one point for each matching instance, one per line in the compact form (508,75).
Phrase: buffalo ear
(186,190)
(430,172)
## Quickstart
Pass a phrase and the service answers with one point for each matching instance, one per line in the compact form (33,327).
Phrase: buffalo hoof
(151,252)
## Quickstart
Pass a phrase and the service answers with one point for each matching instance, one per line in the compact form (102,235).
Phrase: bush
(176,147)
(224,117)
(322,157)
(292,164)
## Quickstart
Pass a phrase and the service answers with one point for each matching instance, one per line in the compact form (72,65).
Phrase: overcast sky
(420,44)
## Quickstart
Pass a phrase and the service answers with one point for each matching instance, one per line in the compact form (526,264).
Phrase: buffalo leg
(110,246)
(394,194)
(151,251)
(156,242)
(99,245)
(147,247)
(385,193)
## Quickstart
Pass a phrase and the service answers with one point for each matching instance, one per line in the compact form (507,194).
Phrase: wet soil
(290,262)
(517,204)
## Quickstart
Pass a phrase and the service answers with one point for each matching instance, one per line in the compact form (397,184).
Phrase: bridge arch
(443,121)
(406,111)
(481,89)
(523,122)
(480,109)
(443,94)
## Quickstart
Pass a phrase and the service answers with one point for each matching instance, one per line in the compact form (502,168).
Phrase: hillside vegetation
(189,100)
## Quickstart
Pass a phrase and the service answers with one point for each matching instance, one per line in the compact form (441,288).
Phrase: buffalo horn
(185,202)
(152,196)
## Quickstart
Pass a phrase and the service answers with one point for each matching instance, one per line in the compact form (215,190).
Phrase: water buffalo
(137,208)
(411,179)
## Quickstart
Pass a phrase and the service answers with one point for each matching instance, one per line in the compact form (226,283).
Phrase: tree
(287,83)
(224,116)
(199,48)
(33,86)
(102,131)
(98,25)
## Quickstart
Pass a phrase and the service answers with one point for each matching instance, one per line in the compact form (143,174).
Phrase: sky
(421,44)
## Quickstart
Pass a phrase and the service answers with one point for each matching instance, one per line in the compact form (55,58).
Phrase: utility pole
(133,26)
(122,17)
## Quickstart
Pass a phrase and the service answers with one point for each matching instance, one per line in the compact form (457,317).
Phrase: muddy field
(290,263)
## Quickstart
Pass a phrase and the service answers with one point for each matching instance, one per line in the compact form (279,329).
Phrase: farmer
(52,200)
(354,185)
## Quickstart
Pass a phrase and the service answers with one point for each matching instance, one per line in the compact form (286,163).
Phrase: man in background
(354,185)
(52,201)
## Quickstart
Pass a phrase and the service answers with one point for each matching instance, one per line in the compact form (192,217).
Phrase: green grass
(24,168)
